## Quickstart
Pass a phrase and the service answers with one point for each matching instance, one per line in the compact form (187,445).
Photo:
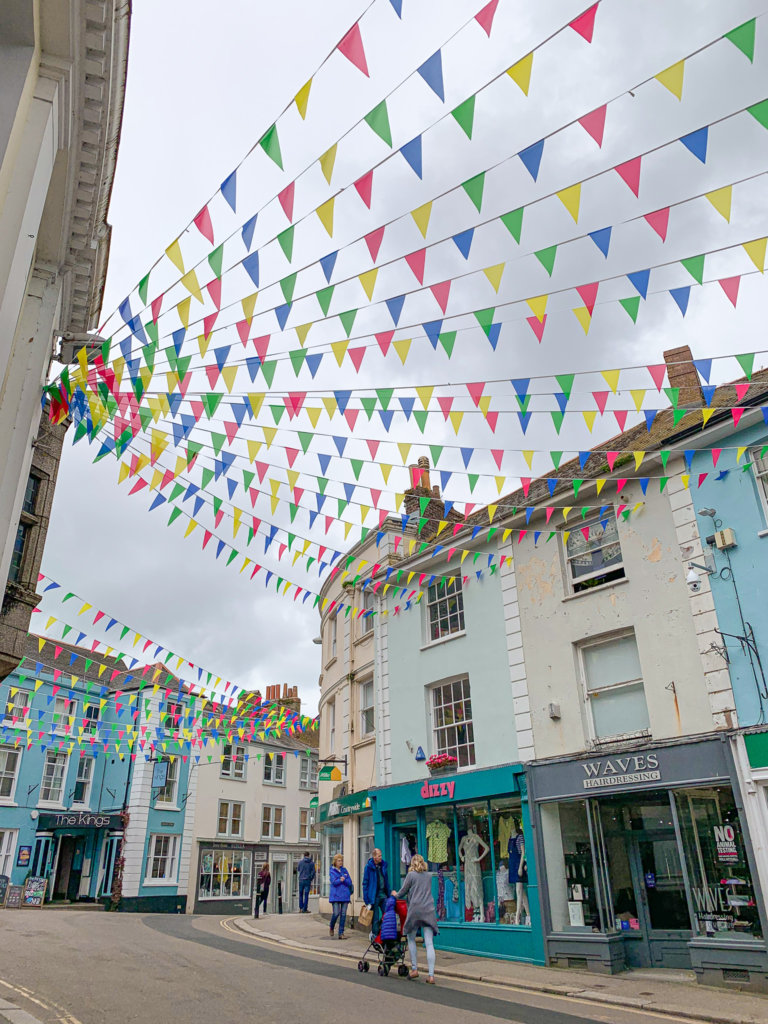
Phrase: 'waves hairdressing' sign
(621,771)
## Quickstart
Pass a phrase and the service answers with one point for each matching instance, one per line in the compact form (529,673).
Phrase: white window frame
(84,762)
(307,832)
(760,474)
(50,800)
(439,730)
(331,705)
(243,857)
(171,710)
(9,798)
(438,595)
(575,584)
(170,856)
(271,832)
(65,708)
(604,641)
(91,718)
(307,773)
(172,780)
(366,622)
(334,636)
(367,709)
(274,769)
(19,703)
(234,765)
(229,817)
(8,839)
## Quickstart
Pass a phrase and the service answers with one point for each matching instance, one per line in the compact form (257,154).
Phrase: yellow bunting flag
(421,217)
(520,73)
(739,452)
(721,200)
(491,512)
(256,400)
(229,373)
(672,78)
(325,213)
(327,160)
(386,469)
(192,285)
(425,395)
(203,343)
(456,418)
(173,252)
(331,406)
(566,511)
(611,378)
(494,275)
(584,317)
(368,281)
(301,99)
(571,199)
(157,477)
(600,484)
(685,479)
(191,526)
(182,308)
(339,349)
(248,304)
(528,456)
(638,397)
(500,481)
(484,404)
(639,456)
(405,451)
(269,435)
(538,306)
(401,347)
(122,472)
(756,252)
(302,333)
(589,419)
(314,412)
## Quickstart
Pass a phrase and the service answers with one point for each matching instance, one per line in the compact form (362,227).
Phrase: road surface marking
(26,993)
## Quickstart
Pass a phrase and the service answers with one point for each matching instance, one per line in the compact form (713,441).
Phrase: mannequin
(472,849)
(518,873)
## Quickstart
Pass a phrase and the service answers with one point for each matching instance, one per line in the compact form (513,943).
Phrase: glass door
(662,903)
(109,857)
(403,848)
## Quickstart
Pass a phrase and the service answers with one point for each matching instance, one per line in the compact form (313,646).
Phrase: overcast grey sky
(204,83)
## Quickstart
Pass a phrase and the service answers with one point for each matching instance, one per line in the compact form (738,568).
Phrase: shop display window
(225,874)
(722,892)
(509,859)
(365,847)
(475,862)
(333,843)
(570,867)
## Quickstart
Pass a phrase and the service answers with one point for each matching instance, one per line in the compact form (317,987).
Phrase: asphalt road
(76,967)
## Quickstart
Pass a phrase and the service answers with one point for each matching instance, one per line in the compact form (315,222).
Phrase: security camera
(693,581)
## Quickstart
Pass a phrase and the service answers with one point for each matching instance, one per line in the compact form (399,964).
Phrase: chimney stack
(421,487)
(683,374)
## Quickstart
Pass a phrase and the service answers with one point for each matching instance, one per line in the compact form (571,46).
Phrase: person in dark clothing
(376,888)
(306,872)
(265,880)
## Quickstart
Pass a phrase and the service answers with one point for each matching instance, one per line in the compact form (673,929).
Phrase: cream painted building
(62,83)
(255,801)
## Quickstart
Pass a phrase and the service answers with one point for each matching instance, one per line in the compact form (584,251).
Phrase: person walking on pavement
(421,914)
(306,872)
(376,888)
(340,893)
(265,879)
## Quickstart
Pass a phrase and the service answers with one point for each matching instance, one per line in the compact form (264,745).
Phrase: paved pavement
(85,968)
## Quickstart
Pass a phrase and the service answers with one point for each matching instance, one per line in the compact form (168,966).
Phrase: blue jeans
(304,888)
(340,915)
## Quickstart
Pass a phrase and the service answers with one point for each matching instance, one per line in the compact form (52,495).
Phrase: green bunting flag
(695,267)
(760,112)
(474,189)
(378,121)
(546,258)
(485,319)
(215,260)
(270,143)
(324,297)
(297,357)
(747,362)
(513,222)
(287,286)
(384,396)
(143,288)
(447,340)
(465,115)
(347,320)
(743,37)
(285,238)
(565,383)
(632,306)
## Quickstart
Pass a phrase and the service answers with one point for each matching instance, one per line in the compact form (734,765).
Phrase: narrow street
(87,968)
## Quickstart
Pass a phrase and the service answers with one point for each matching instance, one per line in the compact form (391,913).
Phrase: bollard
(279,897)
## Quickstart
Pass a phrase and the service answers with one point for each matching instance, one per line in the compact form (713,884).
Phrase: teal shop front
(474,829)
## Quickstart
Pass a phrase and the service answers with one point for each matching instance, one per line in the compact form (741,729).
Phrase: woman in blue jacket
(339,895)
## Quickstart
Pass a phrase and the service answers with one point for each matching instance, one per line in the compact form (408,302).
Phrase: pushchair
(388,952)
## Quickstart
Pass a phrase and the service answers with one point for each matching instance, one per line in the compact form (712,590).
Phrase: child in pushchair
(390,945)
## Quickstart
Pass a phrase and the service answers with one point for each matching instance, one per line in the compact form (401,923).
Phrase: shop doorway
(278,886)
(64,863)
(403,848)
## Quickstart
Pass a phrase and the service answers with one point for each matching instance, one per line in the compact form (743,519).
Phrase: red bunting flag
(373,241)
(484,17)
(243,327)
(659,221)
(203,224)
(476,392)
(373,447)
(214,290)
(156,306)
(498,455)
(415,261)
(658,373)
(261,345)
(441,293)
(585,23)
(364,187)
(741,390)
(594,123)
(630,173)
(351,46)
(384,338)
(445,404)
(286,200)
(588,294)
(537,326)
(357,355)
(621,418)
(600,397)
(730,286)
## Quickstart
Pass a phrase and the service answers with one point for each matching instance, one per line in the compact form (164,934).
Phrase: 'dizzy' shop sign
(430,790)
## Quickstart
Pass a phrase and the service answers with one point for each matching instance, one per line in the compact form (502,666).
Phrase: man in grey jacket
(306,872)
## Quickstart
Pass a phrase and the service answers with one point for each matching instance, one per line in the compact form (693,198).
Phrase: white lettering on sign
(621,771)
(725,842)
(430,790)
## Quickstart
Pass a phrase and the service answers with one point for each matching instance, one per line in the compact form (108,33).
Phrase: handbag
(365,917)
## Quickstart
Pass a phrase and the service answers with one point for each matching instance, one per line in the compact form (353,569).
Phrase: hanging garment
(405,851)
(504,889)
(506,829)
(473,874)
(514,855)
(441,911)
(437,842)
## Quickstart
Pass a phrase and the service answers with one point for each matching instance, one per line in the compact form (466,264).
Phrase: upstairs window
(233,763)
(593,554)
(167,795)
(445,608)
(365,693)
(366,623)
(759,459)
(17,705)
(452,721)
(615,689)
(274,769)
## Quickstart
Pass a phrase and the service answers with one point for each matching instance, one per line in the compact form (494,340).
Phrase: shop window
(570,867)
(9,770)
(54,770)
(614,687)
(17,706)
(274,769)
(230,818)
(307,772)
(8,838)
(365,696)
(272,822)
(722,891)
(233,762)
(452,721)
(83,781)
(476,880)
(593,554)
(365,847)
(307,825)
(759,458)
(333,843)
(161,858)
(445,608)
(510,858)
(225,874)
(167,795)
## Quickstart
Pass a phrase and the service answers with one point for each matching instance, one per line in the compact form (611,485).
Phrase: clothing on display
(506,828)
(407,849)
(441,911)
(438,834)
(472,849)
(515,851)
(503,888)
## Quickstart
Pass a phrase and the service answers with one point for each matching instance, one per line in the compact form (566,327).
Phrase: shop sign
(343,806)
(620,771)
(79,819)
(725,843)
(431,790)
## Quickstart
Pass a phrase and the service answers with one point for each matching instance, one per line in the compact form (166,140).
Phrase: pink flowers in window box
(442,763)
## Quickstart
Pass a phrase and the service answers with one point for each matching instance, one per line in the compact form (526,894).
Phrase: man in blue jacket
(376,888)
(306,872)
